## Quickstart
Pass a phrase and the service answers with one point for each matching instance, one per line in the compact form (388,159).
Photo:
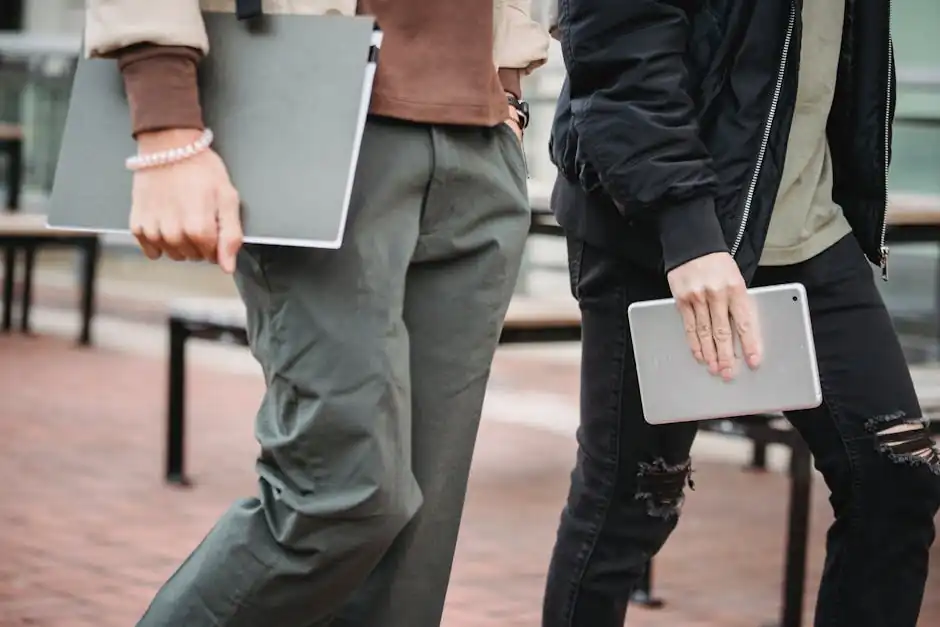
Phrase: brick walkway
(89,532)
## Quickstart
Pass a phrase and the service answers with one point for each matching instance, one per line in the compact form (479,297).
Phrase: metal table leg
(643,593)
(9,275)
(176,405)
(758,456)
(14,174)
(801,483)
(26,298)
(91,253)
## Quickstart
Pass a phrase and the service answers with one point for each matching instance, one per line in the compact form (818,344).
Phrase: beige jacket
(114,24)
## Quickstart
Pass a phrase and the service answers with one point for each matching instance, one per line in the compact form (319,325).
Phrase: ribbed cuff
(690,230)
(161,87)
(511,79)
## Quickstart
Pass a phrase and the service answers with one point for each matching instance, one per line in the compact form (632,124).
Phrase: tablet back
(675,388)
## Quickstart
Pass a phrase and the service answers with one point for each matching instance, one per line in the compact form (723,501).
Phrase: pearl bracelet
(167,157)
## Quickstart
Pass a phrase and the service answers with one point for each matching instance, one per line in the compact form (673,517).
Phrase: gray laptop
(287,99)
(675,388)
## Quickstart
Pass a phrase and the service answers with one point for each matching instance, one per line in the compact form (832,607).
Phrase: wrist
(168,147)
(511,80)
(518,110)
(156,141)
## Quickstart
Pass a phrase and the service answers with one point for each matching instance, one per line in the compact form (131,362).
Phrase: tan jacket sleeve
(114,24)
(519,41)
(520,44)
(111,25)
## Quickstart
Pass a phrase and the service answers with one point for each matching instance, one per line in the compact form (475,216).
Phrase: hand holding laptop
(186,210)
(711,295)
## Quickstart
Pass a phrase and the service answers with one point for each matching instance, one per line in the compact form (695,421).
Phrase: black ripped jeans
(867,438)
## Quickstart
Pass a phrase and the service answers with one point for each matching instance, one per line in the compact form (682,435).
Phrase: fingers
(176,243)
(230,228)
(747,326)
(183,211)
(516,129)
(146,236)
(691,330)
(202,229)
(722,334)
(715,306)
(703,329)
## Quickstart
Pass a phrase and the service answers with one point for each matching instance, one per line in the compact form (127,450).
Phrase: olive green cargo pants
(376,357)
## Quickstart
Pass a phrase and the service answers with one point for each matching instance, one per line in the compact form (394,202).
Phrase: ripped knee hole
(905,440)
(662,486)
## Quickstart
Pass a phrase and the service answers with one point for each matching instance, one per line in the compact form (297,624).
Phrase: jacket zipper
(888,101)
(768,126)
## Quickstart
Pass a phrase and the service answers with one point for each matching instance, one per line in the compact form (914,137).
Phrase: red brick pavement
(89,531)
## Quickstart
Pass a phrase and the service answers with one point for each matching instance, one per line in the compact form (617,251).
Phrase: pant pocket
(514,150)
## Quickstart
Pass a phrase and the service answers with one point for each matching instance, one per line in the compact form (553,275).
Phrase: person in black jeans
(697,156)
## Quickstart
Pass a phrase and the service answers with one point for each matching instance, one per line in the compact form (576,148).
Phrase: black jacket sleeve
(635,119)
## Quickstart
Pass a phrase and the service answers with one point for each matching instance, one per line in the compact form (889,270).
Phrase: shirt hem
(807,249)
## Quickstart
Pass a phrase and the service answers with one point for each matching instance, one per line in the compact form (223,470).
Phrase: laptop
(676,388)
(287,99)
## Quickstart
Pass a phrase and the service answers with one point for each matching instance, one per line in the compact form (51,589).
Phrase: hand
(711,296)
(185,210)
(513,122)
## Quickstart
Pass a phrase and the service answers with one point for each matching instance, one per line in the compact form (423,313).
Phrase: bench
(223,320)
(27,233)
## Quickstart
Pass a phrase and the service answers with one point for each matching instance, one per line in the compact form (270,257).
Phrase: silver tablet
(676,388)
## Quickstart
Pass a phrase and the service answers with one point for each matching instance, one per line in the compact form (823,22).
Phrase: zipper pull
(884,262)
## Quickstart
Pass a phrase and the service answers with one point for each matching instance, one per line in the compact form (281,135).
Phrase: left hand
(513,122)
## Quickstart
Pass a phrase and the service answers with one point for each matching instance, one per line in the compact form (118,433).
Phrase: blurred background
(96,509)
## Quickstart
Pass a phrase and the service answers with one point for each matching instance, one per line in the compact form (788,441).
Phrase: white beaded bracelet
(175,155)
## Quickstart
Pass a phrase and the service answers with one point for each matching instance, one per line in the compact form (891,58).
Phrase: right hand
(186,210)
(711,296)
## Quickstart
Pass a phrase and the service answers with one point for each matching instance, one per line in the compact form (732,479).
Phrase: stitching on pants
(832,409)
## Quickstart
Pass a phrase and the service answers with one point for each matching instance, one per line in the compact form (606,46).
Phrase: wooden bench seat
(914,210)
(17,223)
(523,313)
(228,312)
(10,133)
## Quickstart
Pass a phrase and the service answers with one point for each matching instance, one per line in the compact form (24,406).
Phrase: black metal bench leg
(801,484)
(91,254)
(643,593)
(26,298)
(176,405)
(9,276)
(14,174)
(758,456)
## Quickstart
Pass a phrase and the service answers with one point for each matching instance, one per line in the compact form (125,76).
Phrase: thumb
(230,229)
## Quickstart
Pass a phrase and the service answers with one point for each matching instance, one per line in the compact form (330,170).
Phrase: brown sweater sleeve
(161,87)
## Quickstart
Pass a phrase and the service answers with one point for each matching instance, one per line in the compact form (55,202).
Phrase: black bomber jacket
(671,129)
